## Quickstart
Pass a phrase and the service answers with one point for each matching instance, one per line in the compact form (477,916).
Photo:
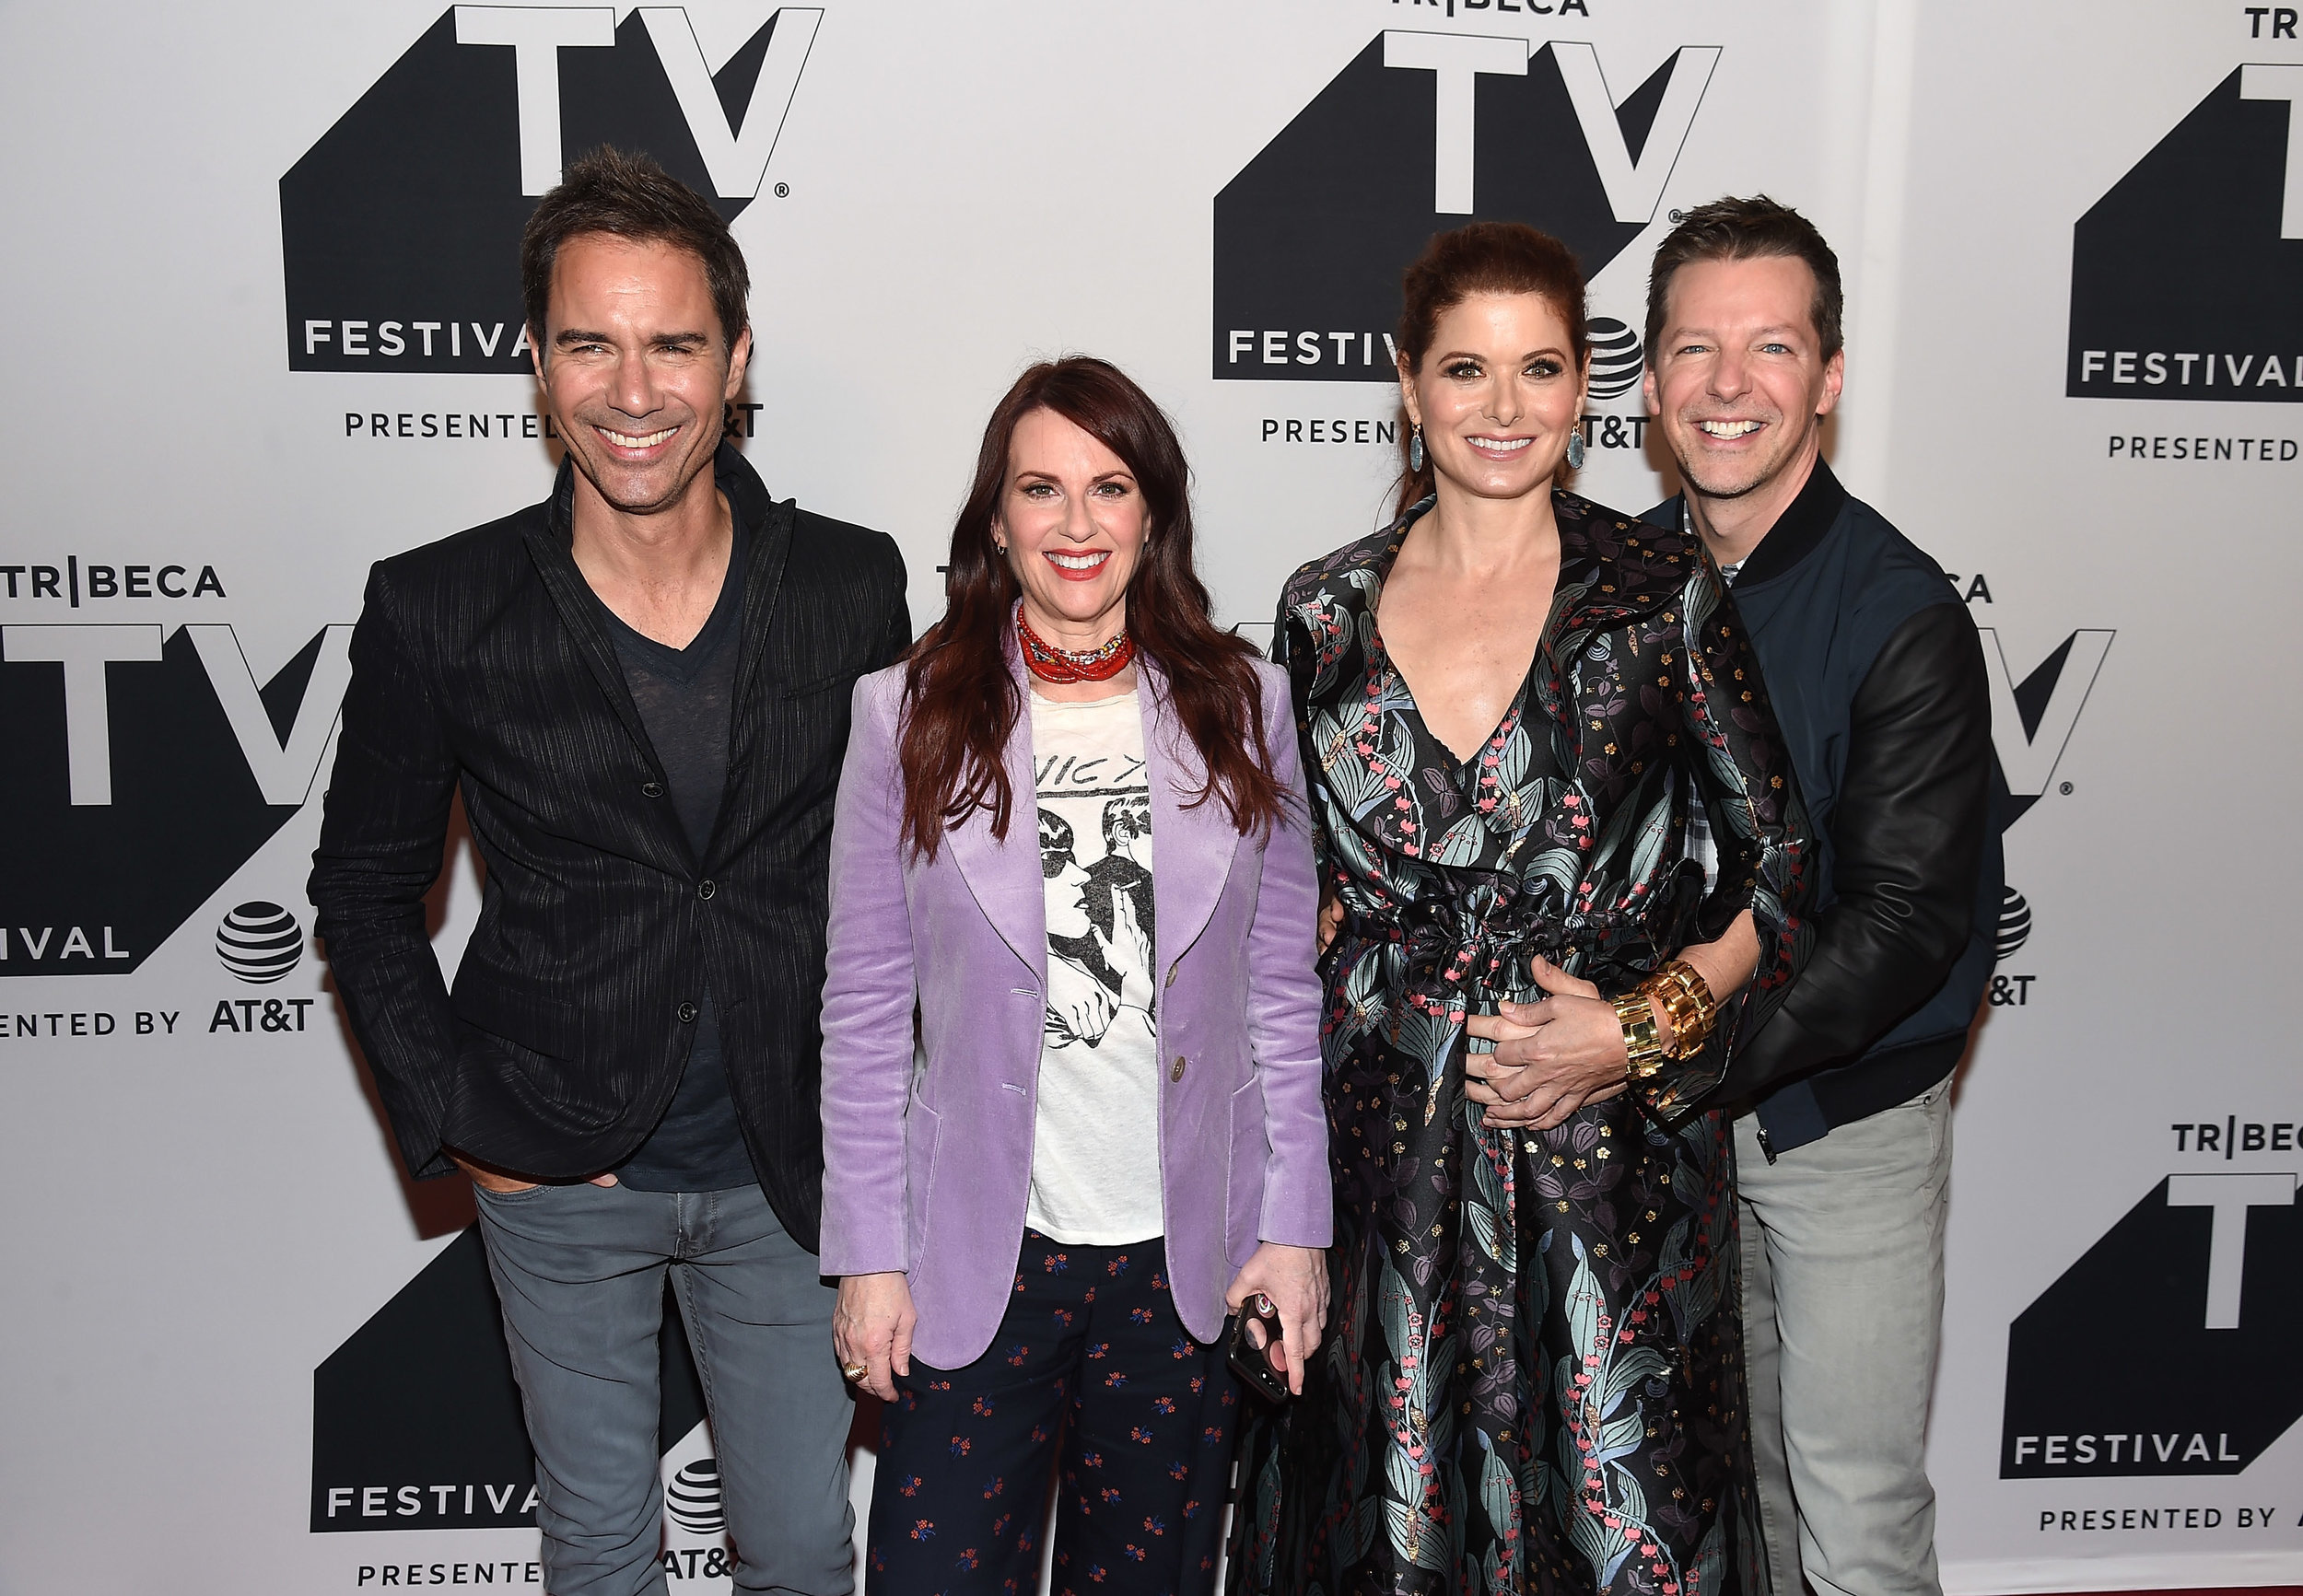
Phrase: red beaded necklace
(1050,663)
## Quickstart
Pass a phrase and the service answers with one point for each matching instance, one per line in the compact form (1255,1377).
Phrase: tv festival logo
(400,229)
(146,766)
(2168,1348)
(416,1422)
(2187,276)
(1418,132)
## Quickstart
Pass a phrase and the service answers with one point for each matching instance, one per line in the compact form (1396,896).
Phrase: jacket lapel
(1191,847)
(548,545)
(770,524)
(1004,875)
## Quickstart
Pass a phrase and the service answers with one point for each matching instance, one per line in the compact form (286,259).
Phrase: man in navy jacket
(1844,1146)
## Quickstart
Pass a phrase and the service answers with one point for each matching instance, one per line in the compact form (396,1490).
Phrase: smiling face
(1738,382)
(1073,520)
(634,369)
(1499,393)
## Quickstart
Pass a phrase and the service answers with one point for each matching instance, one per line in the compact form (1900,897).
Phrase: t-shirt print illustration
(1095,857)
(1095,1160)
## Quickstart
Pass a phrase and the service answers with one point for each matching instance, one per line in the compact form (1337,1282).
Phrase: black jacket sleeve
(384,820)
(1906,843)
(896,641)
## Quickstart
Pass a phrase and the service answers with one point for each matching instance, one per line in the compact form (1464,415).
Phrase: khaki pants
(1843,1295)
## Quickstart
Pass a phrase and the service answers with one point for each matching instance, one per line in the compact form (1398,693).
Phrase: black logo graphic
(143,769)
(2031,721)
(400,229)
(1422,131)
(2168,1348)
(2187,277)
(259,942)
(693,1498)
(415,1419)
(2014,924)
(1617,359)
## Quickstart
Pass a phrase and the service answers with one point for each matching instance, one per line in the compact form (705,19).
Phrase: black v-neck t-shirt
(684,698)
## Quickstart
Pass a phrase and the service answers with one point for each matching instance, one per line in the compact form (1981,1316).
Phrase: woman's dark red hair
(961,699)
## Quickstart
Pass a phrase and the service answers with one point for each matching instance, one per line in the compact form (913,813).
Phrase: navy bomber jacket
(1877,679)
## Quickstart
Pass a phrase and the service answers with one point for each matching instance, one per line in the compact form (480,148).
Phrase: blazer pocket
(820,684)
(923,1135)
(1247,1150)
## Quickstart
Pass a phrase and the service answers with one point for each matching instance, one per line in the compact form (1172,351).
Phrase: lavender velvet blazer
(930,1175)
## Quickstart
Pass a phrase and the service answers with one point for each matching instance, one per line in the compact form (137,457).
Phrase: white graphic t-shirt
(1095,1151)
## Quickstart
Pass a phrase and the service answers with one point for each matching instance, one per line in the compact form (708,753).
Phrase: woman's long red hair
(960,700)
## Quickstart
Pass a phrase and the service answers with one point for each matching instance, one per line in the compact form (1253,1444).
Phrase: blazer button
(1171,972)
(1176,1071)
(652,789)
(705,889)
(687,1013)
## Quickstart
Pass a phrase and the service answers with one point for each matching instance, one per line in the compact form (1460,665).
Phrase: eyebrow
(1791,327)
(568,336)
(1531,355)
(1100,477)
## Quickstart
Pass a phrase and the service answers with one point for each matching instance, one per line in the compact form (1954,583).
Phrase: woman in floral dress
(1542,767)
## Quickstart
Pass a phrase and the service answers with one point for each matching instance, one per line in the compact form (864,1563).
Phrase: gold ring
(853,1372)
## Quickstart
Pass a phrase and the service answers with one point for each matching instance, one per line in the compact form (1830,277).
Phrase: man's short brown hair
(1752,229)
(632,197)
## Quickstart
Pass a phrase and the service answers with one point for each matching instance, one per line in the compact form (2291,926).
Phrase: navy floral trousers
(1092,1378)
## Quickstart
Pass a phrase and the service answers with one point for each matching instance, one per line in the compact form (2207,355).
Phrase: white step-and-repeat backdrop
(261,318)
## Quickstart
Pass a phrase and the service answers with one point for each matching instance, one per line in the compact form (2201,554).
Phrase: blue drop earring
(1415,448)
(1576,450)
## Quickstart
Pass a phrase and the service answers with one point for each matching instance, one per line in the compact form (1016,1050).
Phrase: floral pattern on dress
(1533,1379)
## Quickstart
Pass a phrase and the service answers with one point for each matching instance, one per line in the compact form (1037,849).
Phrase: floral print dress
(1532,1379)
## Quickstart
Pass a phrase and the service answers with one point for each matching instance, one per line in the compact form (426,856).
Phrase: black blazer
(483,662)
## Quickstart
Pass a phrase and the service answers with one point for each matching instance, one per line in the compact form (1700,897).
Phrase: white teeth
(1500,445)
(623,441)
(1080,561)
(1729,428)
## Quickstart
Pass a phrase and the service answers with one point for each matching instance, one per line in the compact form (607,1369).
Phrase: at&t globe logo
(259,942)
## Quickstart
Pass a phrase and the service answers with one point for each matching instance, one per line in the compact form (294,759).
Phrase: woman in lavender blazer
(1113,1131)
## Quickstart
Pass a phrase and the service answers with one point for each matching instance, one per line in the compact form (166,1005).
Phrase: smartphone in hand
(1253,1363)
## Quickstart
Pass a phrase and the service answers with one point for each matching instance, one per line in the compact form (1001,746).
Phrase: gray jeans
(1843,1303)
(580,1270)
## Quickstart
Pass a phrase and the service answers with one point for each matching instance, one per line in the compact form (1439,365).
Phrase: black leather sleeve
(1906,843)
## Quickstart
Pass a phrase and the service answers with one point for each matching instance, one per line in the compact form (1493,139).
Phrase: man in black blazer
(640,686)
